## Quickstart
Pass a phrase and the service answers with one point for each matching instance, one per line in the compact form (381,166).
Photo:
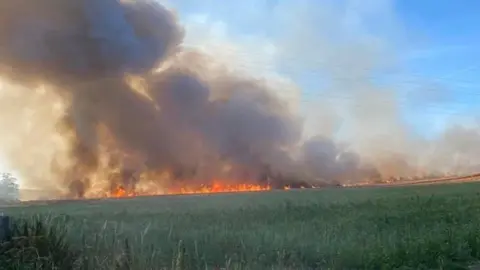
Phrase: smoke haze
(98,94)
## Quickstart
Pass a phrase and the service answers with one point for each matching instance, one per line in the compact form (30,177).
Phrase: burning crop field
(109,98)
(111,103)
(123,107)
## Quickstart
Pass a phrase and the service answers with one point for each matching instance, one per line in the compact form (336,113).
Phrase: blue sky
(449,51)
(436,44)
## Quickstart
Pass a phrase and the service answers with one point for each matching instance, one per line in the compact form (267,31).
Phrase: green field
(416,227)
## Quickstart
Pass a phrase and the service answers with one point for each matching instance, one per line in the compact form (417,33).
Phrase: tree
(9,190)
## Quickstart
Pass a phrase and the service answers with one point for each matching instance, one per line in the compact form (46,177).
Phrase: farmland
(411,227)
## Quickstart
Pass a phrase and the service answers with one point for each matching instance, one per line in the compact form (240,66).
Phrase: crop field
(416,227)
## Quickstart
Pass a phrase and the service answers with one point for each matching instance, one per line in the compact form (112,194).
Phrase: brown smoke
(114,93)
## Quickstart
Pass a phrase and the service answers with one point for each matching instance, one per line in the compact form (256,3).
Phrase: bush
(29,244)
(8,188)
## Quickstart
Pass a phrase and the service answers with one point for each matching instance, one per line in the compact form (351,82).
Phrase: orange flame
(119,192)
(216,187)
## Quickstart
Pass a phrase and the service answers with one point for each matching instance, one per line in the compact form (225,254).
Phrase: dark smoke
(187,123)
(85,48)
(88,39)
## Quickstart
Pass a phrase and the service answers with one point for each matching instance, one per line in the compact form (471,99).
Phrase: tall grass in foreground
(407,228)
(29,244)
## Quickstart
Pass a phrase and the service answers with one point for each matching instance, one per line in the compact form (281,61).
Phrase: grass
(30,245)
(420,227)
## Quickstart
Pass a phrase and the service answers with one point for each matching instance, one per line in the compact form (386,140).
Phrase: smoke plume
(105,93)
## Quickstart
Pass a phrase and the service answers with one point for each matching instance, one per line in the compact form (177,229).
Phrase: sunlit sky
(435,45)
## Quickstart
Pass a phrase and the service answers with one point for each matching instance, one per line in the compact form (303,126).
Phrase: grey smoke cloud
(86,38)
(175,126)
(195,122)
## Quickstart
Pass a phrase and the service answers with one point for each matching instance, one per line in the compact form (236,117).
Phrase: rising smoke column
(187,120)
(84,49)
